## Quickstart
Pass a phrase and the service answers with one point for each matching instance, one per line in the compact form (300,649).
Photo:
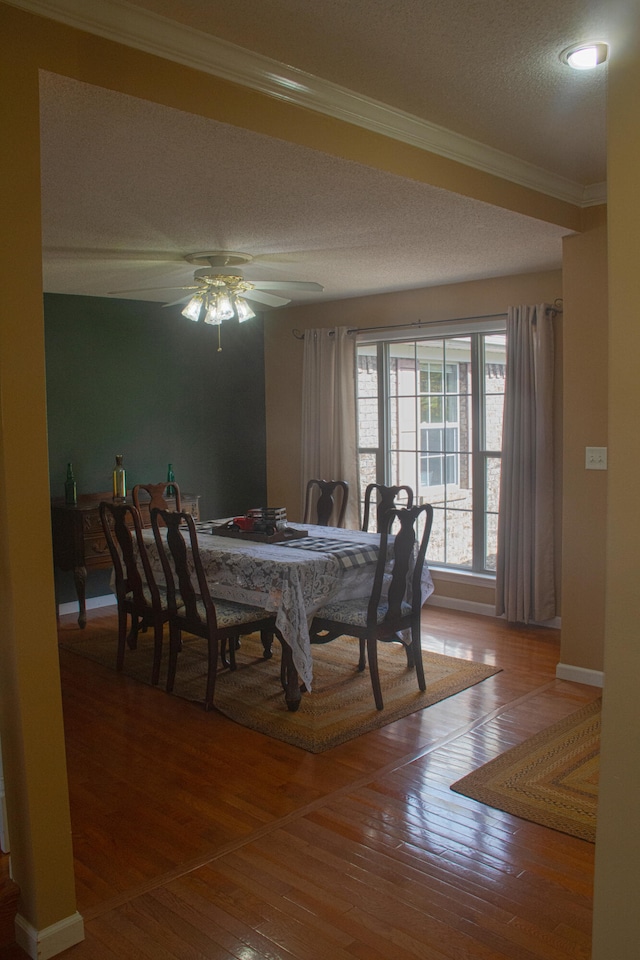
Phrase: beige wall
(283,360)
(30,702)
(616,931)
(584,511)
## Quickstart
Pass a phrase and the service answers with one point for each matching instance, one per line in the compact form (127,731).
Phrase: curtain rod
(555,308)
(424,323)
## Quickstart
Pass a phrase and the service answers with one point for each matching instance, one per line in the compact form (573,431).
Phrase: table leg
(80,578)
(290,680)
(266,636)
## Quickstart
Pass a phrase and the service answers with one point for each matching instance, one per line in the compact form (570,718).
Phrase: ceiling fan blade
(113,293)
(287,285)
(268,298)
(175,302)
(88,253)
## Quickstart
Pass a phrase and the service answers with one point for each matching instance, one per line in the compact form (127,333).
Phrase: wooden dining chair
(320,502)
(191,607)
(157,493)
(380,617)
(386,498)
(137,594)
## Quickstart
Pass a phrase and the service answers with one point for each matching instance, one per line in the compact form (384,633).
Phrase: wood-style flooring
(197,839)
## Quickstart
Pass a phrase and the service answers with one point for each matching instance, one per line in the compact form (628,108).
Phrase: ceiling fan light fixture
(212,315)
(243,310)
(586,55)
(192,309)
(224,306)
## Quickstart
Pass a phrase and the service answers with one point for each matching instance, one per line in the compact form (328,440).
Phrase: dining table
(292,578)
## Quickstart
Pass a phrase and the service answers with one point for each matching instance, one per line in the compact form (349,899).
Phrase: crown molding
(123,23)
(595,194)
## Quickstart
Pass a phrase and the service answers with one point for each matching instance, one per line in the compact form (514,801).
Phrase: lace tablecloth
(291,581)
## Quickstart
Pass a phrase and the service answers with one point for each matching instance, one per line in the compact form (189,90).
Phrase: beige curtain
(525,580)
(329,447)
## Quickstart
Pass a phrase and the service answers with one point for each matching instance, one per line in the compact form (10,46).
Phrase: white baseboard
(467,606)
(42,944)
(91,604)
(484,609)
(594,678)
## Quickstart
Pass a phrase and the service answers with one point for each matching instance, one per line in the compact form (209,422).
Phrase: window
(430,415)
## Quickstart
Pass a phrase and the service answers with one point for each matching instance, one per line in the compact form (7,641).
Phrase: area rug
(550,779)
(340,707)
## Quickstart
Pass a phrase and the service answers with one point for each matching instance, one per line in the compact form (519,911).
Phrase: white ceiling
(129,187)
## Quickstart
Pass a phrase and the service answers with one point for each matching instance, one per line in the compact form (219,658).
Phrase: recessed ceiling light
(585,56)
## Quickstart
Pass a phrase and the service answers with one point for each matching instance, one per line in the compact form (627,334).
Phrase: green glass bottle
(119,480)
(70,488)
(170,478)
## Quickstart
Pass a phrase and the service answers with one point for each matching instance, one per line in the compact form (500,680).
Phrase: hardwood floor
(197,838)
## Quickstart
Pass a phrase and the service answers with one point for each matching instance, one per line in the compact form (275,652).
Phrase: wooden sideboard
(79,543)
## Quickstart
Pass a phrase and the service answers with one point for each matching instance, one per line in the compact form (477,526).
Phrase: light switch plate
(595,458)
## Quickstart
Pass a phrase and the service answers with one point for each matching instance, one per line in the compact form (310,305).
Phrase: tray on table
(280,536)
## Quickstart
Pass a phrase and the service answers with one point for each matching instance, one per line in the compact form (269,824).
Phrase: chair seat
(229,614)
(146,593)
(354,612)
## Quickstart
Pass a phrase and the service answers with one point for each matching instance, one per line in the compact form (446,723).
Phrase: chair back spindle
(157,493)
(175,564)
(137,592)
(387,499)
(326,492)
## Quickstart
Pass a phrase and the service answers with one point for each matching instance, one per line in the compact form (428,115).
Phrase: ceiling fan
(219,290)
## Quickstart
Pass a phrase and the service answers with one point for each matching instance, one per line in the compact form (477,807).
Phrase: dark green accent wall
(133,377)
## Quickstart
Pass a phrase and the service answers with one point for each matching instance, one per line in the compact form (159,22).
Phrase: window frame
(477,329)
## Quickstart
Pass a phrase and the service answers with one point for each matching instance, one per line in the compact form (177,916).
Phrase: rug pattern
(340,707)
(550,779)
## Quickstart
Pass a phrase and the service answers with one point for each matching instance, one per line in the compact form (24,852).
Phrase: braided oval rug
(550,779)
(340,707)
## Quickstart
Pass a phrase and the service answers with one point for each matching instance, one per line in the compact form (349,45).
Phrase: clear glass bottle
(70,488)
(119,480)
(170,478)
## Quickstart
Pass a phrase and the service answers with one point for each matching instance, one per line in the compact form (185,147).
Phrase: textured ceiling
(119,184)
(129,187)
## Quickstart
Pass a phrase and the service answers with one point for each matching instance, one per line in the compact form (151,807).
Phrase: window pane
(406,466)
(402,369)
(495,359)
(433,440)
(464,474)
(368,423)
(435,410)
(393,467)
(403,427)
(435,379)
(494,465)
(459,538)
(460,497)
(494,406)
(492,541)
(367,372)
(452,409)
(435,552)
(367,469)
